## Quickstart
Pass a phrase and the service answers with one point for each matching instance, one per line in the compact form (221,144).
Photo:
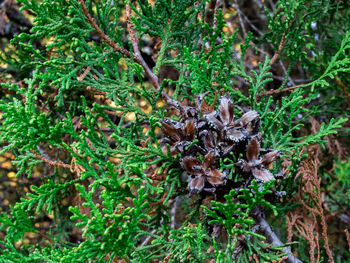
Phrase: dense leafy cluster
(174,131)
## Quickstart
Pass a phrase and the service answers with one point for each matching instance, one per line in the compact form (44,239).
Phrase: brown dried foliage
(309,219)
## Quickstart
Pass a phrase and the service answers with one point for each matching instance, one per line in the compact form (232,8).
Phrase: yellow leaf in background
(160,103)
(115,160)
(145,107)
(18,243)
(227,15)
(143,103)
(31,235)
(11,174)
(6,165)
(130,116)
(122,18)
(9,155)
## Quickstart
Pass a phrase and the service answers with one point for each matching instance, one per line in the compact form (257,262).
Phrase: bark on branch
(272,238)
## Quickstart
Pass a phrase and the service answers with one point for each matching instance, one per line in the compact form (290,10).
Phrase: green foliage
(340,196)
(234,215)
(85,118)
(230,214)
(262,251)
(116,225)
(188,243)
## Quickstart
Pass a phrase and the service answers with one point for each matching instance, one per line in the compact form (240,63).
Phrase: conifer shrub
(174,131)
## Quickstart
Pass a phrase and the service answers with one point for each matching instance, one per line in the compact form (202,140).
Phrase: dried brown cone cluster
(202,139)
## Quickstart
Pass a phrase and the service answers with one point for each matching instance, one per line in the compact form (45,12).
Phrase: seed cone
(206,140)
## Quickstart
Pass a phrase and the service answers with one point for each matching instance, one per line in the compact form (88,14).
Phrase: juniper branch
(275,92)
(281,45)
(101,34)
(137,54)
(266,229)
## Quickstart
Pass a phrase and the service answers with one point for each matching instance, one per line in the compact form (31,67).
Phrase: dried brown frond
(307,229)
(291,221)
(311,198)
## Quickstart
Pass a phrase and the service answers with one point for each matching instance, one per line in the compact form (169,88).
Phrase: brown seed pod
(204,141)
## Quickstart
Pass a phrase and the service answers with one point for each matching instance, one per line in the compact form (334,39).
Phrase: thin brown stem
(101,34)
(216,10)
(242,17)
(343,88)
(137,54)
(50,162)
(45,236)
(319,204)
(266,229)
(283,259)
(280,48)
(83,75)
(281,45)
(275,91)
(325,237)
